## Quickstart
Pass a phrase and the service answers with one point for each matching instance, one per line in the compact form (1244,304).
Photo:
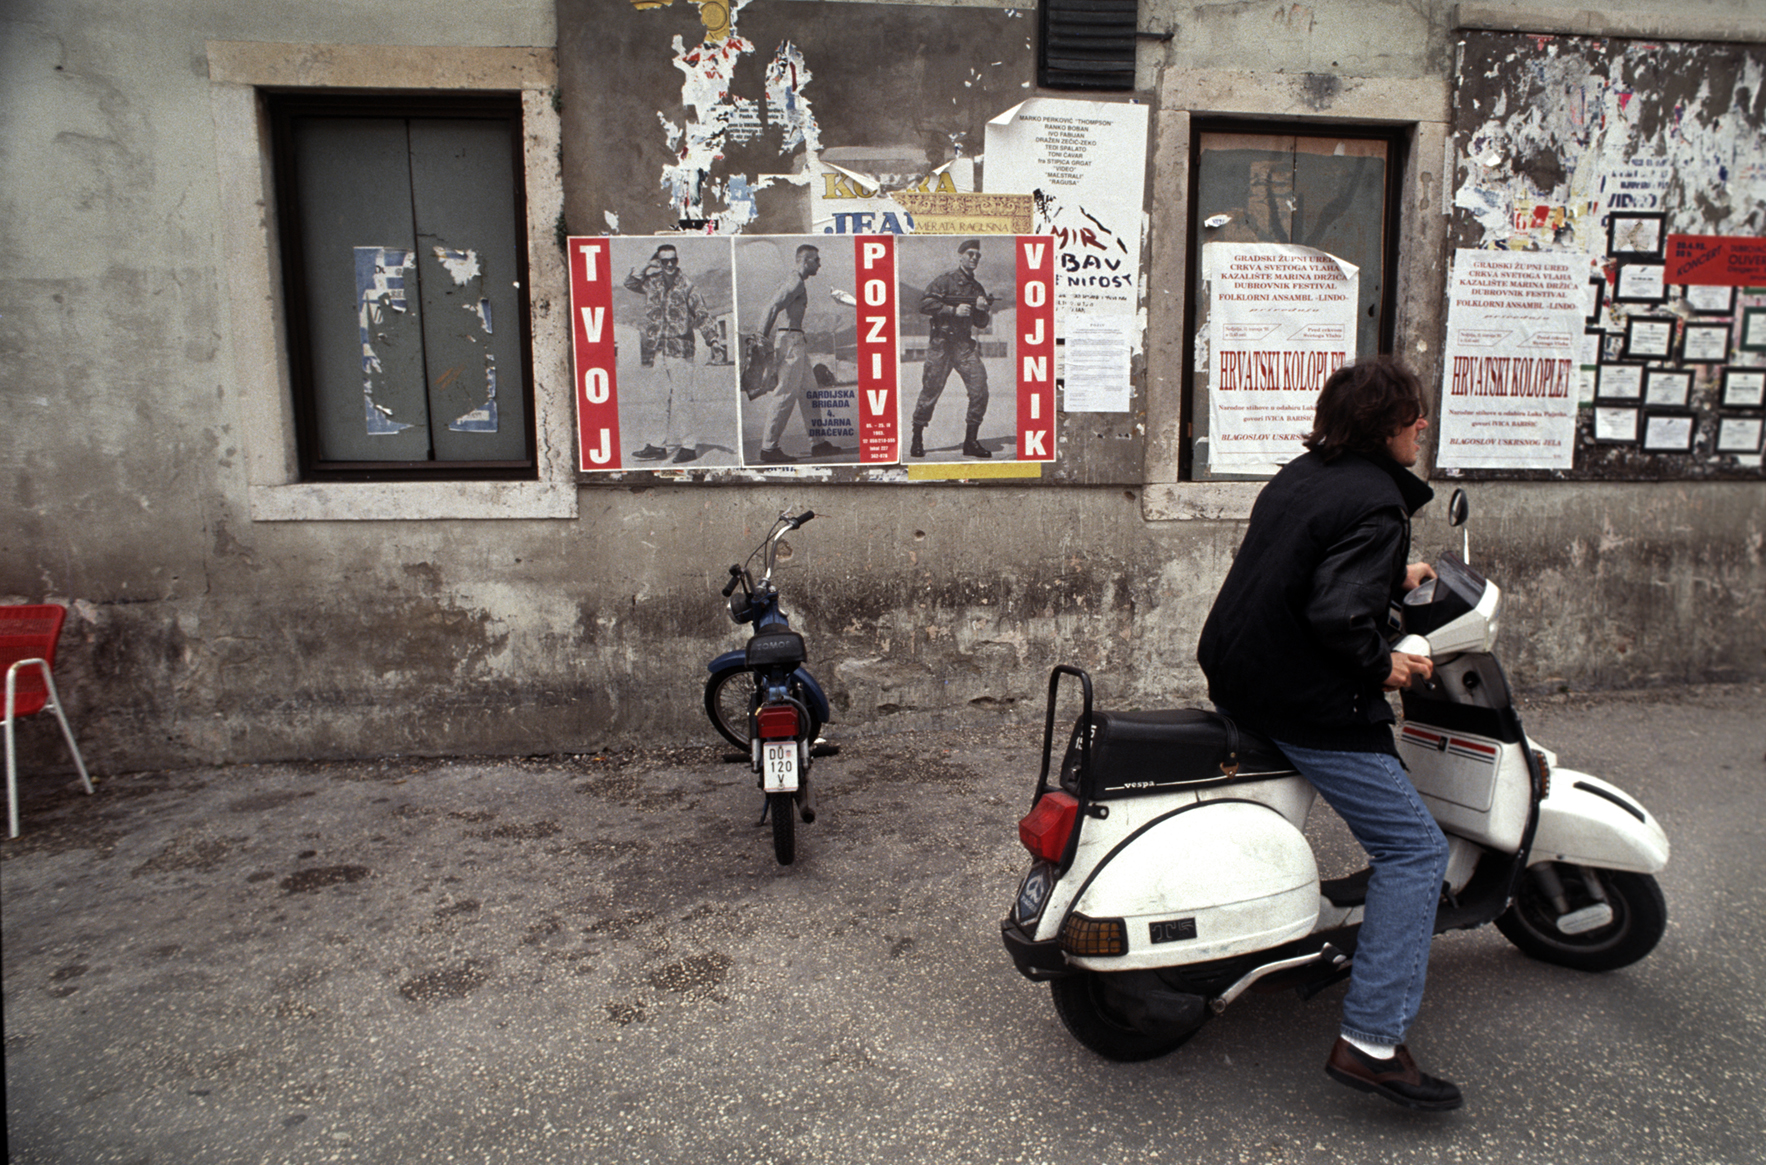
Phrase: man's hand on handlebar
(1408,669)
(1416,574)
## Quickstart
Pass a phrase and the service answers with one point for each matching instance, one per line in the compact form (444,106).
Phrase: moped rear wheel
(729,697)
(783,808)
(1084,1003)
(1640,915)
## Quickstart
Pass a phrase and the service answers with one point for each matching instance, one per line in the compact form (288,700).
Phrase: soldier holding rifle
(958,305)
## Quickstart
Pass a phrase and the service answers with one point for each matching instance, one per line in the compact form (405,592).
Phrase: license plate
(778,766)
(1033,892)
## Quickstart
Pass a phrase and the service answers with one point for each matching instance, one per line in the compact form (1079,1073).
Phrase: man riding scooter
(1294,649)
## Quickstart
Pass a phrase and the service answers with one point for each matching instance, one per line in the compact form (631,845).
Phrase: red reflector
(777,721)
(1045,830)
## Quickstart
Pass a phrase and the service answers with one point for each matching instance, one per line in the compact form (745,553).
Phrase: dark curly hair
(1363,405)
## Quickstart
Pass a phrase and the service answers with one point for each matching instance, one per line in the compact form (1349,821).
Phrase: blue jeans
(1372,793)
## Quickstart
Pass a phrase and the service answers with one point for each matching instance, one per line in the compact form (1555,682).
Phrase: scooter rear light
(1047,827)
(1094,936)
(777,722)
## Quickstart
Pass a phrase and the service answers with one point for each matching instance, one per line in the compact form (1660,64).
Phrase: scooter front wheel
(1093,1011)
(1640,915)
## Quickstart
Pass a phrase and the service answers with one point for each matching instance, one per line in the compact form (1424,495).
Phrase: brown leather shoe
(1397,1078)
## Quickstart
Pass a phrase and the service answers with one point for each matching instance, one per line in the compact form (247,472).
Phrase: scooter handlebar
(800,520)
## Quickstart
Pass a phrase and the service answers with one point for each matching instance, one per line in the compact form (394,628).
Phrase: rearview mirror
(1458,508)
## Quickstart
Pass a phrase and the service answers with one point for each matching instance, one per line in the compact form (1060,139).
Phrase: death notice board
(1607,309)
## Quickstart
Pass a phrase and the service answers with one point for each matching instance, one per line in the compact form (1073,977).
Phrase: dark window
(403,233)
(1325,187)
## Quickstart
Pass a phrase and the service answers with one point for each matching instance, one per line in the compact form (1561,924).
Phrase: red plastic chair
(27,652)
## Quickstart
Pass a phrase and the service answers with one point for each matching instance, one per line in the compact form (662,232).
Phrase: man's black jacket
(1294,645)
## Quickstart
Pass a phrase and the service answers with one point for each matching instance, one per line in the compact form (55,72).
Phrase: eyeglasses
(669,262)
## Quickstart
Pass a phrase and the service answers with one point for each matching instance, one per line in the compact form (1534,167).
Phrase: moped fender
(1587,822)
(737,658)
(818,699)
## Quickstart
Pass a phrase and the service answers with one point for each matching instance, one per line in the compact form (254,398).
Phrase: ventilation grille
(1087,44)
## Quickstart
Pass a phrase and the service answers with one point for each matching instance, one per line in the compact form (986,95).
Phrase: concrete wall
(223,611)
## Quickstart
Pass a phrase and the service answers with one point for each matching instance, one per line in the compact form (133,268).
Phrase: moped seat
(1137,753)
(776,647)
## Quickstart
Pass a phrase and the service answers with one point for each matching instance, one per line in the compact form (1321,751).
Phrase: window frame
(282,106)
(253,381)
(1397,139)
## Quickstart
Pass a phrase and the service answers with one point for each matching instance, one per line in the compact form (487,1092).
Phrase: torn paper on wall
(380,291)
(464,268)
(1582,128)
(860,189)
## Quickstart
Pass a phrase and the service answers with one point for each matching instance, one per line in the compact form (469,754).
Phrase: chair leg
(55,702)
(11,748)
(11,753)
(11,767)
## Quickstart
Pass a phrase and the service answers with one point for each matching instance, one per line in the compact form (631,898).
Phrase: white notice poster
(1508,400)
(1281,319)
(1084,162)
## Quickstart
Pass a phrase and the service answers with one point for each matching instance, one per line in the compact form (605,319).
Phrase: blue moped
(764,701)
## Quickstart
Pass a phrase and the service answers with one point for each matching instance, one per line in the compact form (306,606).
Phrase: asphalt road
(596,959)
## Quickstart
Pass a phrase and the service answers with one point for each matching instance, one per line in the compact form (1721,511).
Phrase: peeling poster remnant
(466,271)
(1634,165)
(713,118)
(380,290)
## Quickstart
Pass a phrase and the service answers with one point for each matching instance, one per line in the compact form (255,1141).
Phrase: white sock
(1377,1051)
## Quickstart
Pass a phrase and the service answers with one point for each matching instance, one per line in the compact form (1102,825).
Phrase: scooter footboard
(1209,881)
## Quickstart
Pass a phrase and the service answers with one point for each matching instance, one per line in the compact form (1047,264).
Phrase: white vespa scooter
(1170,873)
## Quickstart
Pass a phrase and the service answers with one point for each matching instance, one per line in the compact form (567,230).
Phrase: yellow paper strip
(974,471)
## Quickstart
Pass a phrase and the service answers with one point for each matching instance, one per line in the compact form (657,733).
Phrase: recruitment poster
(1508,400)
(1281,319)
(797,310)
(812,350)
(1082,162)
(977,348)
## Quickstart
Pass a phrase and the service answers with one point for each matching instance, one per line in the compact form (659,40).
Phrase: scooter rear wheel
(1640,915)
(1083,1003)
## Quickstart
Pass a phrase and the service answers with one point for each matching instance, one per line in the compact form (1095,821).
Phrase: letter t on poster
(592,355)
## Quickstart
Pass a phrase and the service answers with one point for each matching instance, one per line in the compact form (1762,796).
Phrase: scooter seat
(776,647)
(1133,754)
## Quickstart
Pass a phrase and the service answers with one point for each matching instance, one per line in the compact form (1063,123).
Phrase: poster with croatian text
(1281,319)
(1082,162)
(779,351)
(1508,397)
(977,349)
